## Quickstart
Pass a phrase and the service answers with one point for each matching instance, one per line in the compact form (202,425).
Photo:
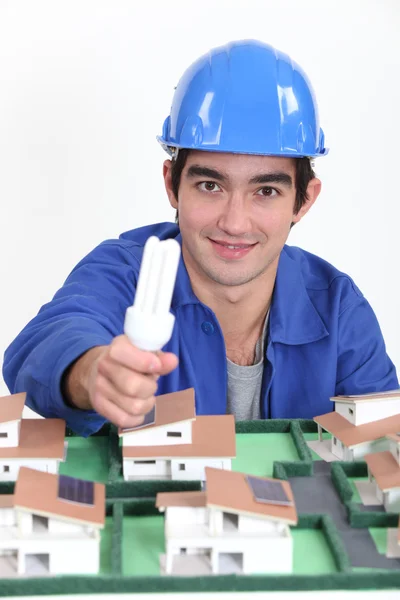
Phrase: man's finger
(113,413)
(133,406)
(126,381)
(125,353)
(169,362)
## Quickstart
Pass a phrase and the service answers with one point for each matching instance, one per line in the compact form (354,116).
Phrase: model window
(3,434)
(182,467)
(35,561)
(334,441)
(230,522)
(144,462)
(6,469)
(174,434)
(351,411)
(40,523)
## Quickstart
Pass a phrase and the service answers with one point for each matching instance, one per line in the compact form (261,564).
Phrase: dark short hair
(304,174)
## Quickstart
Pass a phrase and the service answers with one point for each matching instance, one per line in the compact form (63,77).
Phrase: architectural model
(384,474)
(393,542)
(34,443)
(175,444)
(359,425)
(51,525)
(240,524)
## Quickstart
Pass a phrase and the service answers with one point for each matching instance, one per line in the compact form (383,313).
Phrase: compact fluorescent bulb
(148,323)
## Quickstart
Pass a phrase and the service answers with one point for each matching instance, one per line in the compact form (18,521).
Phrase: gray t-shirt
(244,384)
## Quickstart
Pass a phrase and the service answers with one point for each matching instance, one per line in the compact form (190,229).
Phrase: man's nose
(234,218)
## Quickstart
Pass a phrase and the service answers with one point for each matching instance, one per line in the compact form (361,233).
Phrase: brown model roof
(170,408)
(6,500)
(11,407)
(36,492)
(375,396)
(229,491)
(39,438)
(385,469)
(186,499)
(352,435)
(212,435)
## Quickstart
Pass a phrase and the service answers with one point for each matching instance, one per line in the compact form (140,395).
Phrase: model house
(393,542)
(11,408)
(226,528)
(354,426)
(7,512)
(394,446)
(367,408)
(51,525)
(34,443)
(384,473)
(176,444)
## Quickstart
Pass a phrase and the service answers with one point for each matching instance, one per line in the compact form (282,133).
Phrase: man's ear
(313,191)
(167,169)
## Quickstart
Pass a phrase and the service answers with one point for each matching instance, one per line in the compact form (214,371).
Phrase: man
(262,330)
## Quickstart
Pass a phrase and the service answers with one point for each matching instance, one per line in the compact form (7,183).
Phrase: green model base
(133,537)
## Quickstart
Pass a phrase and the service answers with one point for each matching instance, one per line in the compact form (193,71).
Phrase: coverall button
(207,327)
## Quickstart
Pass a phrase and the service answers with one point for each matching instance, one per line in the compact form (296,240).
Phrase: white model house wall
(221,522)
(164,435)
(339,449)
(9,434)
(268,555)
(184,468)
(29,523)
(64,543)
(258,554)
(389,498)
(394,448)
(267,548)
(344,453)
(359,413)
(7,517)
(65,555)
(359,451)
(188,469)
(9,468)
(254,525)
(185,515)
(224,522)
(150,468)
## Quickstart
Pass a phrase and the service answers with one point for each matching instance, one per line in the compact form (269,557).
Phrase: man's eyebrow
(199,171)
(279,177)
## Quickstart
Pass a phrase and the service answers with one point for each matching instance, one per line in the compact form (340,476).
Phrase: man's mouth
(231,251)
(232,246)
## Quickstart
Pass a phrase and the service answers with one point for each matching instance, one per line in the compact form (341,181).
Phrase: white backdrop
(86,84)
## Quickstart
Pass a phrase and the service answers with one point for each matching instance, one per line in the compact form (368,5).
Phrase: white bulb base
(148,331)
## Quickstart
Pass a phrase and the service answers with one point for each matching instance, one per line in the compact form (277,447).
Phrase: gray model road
(317,494)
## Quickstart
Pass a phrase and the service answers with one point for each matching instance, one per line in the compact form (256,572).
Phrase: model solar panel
(149,419)
(75,490)
(269,492)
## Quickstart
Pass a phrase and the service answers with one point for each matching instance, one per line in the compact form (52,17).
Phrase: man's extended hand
(118,381)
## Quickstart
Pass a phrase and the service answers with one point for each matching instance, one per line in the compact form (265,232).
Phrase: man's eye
(208,186)
(267,191)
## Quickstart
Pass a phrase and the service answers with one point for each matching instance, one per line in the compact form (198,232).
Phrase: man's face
(235,213)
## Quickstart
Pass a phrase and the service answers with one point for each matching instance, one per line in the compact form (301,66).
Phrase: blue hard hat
(248,98)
